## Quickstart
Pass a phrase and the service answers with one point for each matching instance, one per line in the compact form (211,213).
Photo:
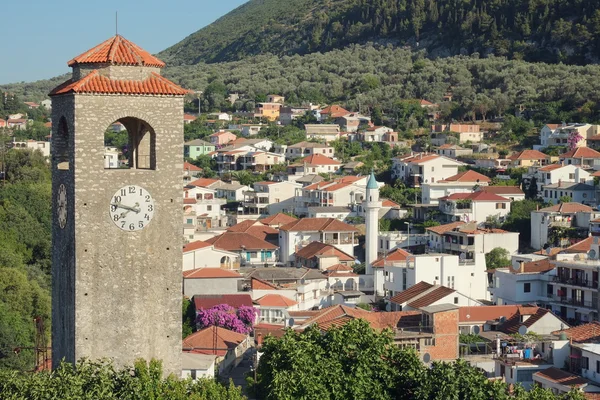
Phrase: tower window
(132,142)
(60,145)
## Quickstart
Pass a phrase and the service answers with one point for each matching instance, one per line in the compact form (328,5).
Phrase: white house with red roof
(558,134)
(453,150)
(252,250)
(476,206)
(424,294)
(300,233)
(200,254)
(571,215)
(463,182)
(316,164)
(420,168)
(226,345)
(528,158)
(202,208)
(583,156)
(190,171)
(222,138)
(555,173)
(269,198)
(211,281)
(274,308)
(305,149)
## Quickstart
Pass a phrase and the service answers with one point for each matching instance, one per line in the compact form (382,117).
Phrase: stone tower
(117,253)
(371,205)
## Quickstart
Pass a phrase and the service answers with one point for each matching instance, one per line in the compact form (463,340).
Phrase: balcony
(576,282)
(573,302)
(561,224)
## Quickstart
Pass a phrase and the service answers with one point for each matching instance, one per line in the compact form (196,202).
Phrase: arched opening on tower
(60,145)
(129,143)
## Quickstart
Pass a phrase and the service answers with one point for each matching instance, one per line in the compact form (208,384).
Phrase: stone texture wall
(125,294)
(120,72)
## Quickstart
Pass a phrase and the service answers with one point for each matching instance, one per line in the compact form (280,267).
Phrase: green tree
(498,257)
(565,199)
(519,218)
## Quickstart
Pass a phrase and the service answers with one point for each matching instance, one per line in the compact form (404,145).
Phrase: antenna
(116,23)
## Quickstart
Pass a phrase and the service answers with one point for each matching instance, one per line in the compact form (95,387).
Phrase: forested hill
(535,30)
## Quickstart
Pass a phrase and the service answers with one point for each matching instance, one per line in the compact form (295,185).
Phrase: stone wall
(119,295)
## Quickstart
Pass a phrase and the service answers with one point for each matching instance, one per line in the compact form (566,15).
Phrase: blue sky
(42,35)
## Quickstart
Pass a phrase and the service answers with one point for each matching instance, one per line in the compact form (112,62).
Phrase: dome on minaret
(117,51)
(372,182)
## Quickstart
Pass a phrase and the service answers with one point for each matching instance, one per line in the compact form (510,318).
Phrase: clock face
(131,208)
(61,206)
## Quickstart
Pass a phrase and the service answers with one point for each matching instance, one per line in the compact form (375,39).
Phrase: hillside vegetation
(536,30)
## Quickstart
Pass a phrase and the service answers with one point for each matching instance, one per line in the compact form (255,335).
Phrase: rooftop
(581,152)
(567,208)
(204,341)
(206,301)
(117,51)
(275,300)
(210,273)
(468,176)
(589,332)
(318,225)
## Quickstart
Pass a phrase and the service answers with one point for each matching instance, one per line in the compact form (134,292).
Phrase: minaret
(371,205)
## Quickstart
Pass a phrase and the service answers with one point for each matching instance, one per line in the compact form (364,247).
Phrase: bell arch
(130,143)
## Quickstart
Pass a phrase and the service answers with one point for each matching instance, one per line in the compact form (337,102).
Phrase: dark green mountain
(535,30)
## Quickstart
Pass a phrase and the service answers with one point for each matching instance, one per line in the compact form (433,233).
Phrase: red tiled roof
(553,126)
(431,297)
(513,323)
(335,111)
(155,84)
(189,200)
(475,196)
(189,117)
(468,176)
(206,301)
(393,256)
(204,340)
(334,312)
(318,225)
(561,377)
(275,300)
(485,313)
(550,167)
(411,292)
(190,167)
(441,229)
(118,51)
(319,159)
(199,244)
(501,190)
(425,159)
(580,247)
(259,284)
(424,102)
(581,152)
(278,219)
(589,332)
(532,267)
(389,203)
(568,208)
(321,249)
(339,268)
(528,155)
(237,241)
(209,273)
(204,182)
(339,315)
(255,228)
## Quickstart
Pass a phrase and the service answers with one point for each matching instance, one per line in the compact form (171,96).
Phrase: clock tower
(116,231)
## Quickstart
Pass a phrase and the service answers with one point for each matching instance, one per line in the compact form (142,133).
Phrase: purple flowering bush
(573,139)
(225,316)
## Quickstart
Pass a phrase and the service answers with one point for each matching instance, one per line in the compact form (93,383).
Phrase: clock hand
(125,207)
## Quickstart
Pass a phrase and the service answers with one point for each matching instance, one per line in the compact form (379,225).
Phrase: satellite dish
(522,330)
(476,329)
(426,357)
(577,257)
(291,322)
(462,256)
(388,307)
(592,254)
(502,320)
(468,316)
(548,250)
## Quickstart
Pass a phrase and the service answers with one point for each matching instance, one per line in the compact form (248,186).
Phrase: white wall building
(564,215)
(420,168)
(200,254)
(477,206)
(269,198)
(464,182)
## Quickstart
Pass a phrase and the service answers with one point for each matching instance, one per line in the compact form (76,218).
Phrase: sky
(46,34)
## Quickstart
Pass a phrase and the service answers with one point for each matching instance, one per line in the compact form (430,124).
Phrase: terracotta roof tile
(209,273)
(580,247)
(528,155)
(319,159)
(513,323)
(561,377)
(206,301)
(389,203)
(485,313)
(199,244)
(314,249)
(259,284)
(589,332)
(475,196)
(189,200)
(431,297)
(255,228)
(204,182)
(550,167)
(118,51)
(190,167)
(396,255)
(278,219)
(441,229)
(501,190)
(568,208)
(339,268)
(318,225)
(532,267)
(411,292)
(155,84)
(237,241)
(468,176)
(581,152)
(205,340)
(275,300)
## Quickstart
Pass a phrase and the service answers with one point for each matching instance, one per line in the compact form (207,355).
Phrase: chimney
(522,267)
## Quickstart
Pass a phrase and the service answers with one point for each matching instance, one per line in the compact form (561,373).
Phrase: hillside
(536,30)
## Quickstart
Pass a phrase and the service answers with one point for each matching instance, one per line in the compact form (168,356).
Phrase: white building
(420,168)
(42,146)
(468,277)
(560,216)
(317,164)
(195,365)
(464,182)
(348,191)
(477,206)
(201,254)
(297,234)
(527,283)
(558,135)
(111,157)
(202,208)
(211,281)
(270,198)
(577,192)
(555,174)
(305,149)
(326,132)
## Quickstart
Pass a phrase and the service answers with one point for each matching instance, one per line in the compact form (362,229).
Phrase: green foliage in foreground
(356,362)
(101,381)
